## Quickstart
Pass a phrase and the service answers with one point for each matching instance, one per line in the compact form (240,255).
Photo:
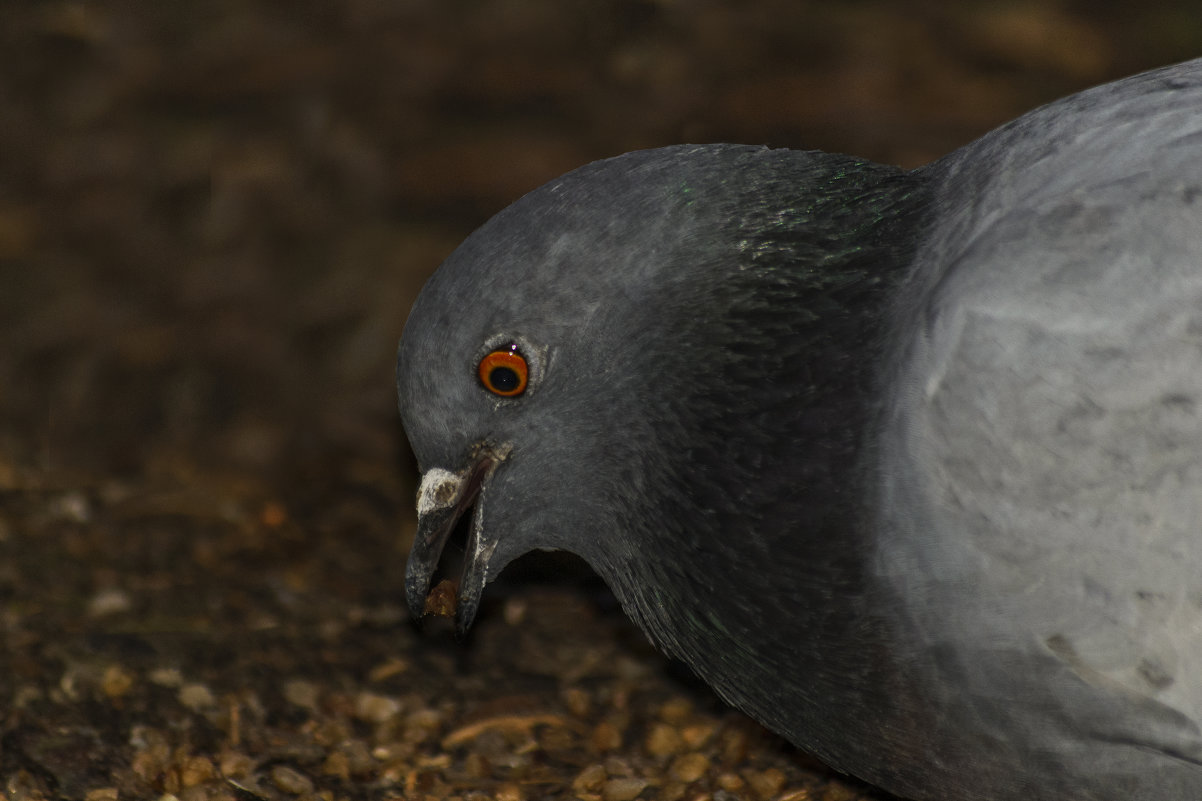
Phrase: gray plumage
(907,465)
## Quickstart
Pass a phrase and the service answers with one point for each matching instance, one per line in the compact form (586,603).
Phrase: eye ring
(504,371)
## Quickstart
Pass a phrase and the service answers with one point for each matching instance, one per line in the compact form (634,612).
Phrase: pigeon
(906,465)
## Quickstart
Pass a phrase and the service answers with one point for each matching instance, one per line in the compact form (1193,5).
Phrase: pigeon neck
(763,520)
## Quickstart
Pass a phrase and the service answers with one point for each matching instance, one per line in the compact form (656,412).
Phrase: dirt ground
(213,220)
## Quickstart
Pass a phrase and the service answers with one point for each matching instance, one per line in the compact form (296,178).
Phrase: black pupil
(504,379)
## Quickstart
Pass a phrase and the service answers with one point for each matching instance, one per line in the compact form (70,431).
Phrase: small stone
(731,782)
(194,771)
(152,755)
(290,780)
(733,746)
(690,767)
(676,710)
(337,765)
(234,764)
(626,789)
(167,677)
(273,514)
(577,701)
(299,692)
(435,761)
(443,599)
(116,681)
(618,767)
(590,780)
(514,611)
(662,740)
(109,601)
(557,739)
(423,723)
(509,792)
(673,791)
(197,697)
(476,765)
(803,794)
(71,506)
(697,735)
(629,669)
(358,757)
(392,667)
(101,794)
(376,708)
(606,737)
(833,792)
(765,783)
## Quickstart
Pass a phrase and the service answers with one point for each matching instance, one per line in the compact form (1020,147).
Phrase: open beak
(441,501)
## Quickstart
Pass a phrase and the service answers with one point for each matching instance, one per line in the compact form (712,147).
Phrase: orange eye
(504,372)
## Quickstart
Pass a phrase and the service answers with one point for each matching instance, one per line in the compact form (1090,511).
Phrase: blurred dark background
(214,217)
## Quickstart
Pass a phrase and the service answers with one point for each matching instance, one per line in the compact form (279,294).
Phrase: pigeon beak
(441,501)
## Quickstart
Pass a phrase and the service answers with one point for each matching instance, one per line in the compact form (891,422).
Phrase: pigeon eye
(504,372)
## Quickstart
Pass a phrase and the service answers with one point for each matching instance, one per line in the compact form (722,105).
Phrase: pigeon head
(520,371)
(615,366)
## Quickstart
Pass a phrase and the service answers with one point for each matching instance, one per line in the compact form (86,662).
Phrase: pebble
(765,783)
(514,611)
(835,792)
(697,735)
(197,697)
(70,506)
(509,792)
(290,780)
(193,771)
(109,601)
(167,677)
(733,746)
(235,765)
(676,710)
(623,789)
(606,737)
(101,794)
(731,782)
(663,740)
(116,682)
(300,692)
(590,780)
(577,701)
(477,766)
(690,767)
(376,708)
(392,667)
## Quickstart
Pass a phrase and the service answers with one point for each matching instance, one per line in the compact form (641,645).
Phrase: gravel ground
(213,219)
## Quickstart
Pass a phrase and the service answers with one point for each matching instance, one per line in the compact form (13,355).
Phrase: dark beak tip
(416,614)
(416,589)
(461,630)
(437,516)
